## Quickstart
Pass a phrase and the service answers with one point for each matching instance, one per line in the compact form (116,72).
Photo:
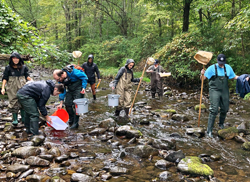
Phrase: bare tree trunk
(186,15)
(242,45)
(233,9)
(160,29)
(76,24)
(172,28)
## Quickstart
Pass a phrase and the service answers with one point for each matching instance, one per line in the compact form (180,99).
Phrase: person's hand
(113,88)
(141,78)
(247,78)
(99,79)
(48,119)
(83,91)
(3,91)
(59,106)
(202,71)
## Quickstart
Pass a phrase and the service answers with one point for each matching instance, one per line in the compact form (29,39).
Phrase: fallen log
(6,57)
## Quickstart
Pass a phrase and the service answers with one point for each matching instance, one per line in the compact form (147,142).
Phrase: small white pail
(113,99)
(81,105)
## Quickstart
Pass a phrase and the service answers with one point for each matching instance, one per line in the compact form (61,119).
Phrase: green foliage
(17,35)
(247,96)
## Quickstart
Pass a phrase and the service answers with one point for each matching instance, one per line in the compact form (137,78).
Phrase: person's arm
(149,70)
(3,86)
(82,76)
(43,100)
(118,76)
(61,99)
(27,74)
(202,73)
(97,72)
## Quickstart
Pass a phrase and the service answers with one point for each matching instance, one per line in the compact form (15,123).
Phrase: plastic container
(113,99)
(57,123)
(62,114)
(81,105)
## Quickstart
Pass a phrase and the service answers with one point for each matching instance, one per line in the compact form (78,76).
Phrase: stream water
(233,165)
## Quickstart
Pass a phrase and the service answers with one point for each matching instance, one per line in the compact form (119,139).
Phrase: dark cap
(157,61)
(221,59)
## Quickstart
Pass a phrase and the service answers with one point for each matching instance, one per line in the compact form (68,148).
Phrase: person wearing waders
(34,96)
(15,76)
(218,75)
(123,85)
(75,82)
(156,80)
(90,68)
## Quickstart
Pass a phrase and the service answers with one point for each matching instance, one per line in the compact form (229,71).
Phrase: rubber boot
(126,111)
(94,97)
(23,116)
(75,124)
(71,113)
(221,120)
(15,121)
(210,125)
(117,112)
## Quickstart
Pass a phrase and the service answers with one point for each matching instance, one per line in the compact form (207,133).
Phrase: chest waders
(72,93)
(219,97)
(124,88)
(13,85)
(156,83)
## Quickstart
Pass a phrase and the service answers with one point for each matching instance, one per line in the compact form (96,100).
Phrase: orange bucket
(62,114)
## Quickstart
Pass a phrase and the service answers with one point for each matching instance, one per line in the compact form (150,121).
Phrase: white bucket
(81,106)
(113,99)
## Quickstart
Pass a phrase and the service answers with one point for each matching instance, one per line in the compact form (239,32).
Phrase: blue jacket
(242,86)
(74,76)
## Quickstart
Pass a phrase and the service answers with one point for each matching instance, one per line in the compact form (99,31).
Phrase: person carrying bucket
(15,76)
(34,96)
(123,84)
(156,81)
(90,69)
(218,75)
(75,81)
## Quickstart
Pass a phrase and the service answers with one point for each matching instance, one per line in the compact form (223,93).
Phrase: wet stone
(148,107)
(81,177)
(144,151)
(106,176)
(25,144)
(56,171)
(17,168)
(215,157)
(166,144)
(26,173)
(242,126)
(36,161)
(118,170)
(246,146)
(47,157)
(175,135)
(54,151)
(165,175)
(191,131)
(240,139)
(97,131)
(61,158)
(65,164)
(25,152)
(228,133)
(163,164)
(73,155)
(10,175)
(37,177)
(107,123)
(38,139)
(57,179)
(180,117)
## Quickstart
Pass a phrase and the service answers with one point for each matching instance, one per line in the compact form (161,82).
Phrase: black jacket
(40,91)
(9,71)
(90,69)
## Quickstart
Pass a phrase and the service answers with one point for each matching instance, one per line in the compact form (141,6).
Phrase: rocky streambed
(160,141)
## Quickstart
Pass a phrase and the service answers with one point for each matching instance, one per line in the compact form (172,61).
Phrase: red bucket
(62,114)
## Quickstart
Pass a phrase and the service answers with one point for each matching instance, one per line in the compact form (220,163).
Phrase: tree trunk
(160,29)
(186,15)
(233,9)
(242,45)
(172,28)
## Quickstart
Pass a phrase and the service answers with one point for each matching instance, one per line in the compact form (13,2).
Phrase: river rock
(81,177)
(97,131)
(192,165)
(167,93)
(163,164)
(25,152)
(37,161)
(242,126)
(165,175)
(172,156)
(65,164)
(246,146)
(38,139)
(57,179)
(56,171)
(37,177)
(141,103)
(215,157)
(17,168)
(197,107)
(228,133)
(107,123)
(191,131)
(180,117)
(10,175)
(73,155)
(240,139)
(46,156)
(144,122)
(54,151)
(106,176)
(128,132)
(26,144)
(10,136)
(26,173)
(61,158)
(144,151)
(8,127)
(166,144)
(118,170)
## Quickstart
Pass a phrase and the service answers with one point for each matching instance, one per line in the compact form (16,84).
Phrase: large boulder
(25,152)
(193,165)
(228,133)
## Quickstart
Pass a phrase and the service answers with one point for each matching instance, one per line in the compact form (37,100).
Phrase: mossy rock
(171,111)
(198,106)
(167,93)
(193,166)
(228,133)
(246,146)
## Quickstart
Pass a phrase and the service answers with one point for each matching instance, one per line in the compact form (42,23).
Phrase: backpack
(70,67)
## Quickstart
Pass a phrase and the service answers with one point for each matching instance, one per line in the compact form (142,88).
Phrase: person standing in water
(90,68)
(15,76)
(123,84)
(156,80)
(218,75)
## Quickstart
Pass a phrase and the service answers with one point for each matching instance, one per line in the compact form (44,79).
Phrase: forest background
(115,30)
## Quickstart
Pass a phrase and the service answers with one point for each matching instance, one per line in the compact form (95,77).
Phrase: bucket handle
(85,103)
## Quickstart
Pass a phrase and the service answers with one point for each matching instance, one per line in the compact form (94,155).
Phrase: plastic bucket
(81,106)
(113,99)
(62,114)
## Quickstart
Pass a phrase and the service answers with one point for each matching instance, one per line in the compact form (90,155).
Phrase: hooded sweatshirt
(40,91)
(125,69)
(90,69)
(10,71)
